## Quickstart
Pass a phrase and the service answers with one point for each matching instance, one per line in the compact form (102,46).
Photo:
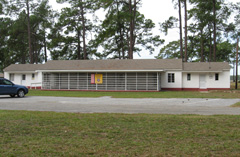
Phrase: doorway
(23,79)
(202,81)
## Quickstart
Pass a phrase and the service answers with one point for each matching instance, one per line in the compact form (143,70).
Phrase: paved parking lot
(121,105)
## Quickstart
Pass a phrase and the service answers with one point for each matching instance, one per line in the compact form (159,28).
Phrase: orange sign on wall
(98,78)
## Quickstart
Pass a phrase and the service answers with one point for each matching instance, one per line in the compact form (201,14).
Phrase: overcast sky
(158,11)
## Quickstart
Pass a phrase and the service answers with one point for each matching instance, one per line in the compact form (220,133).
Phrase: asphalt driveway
(121,105)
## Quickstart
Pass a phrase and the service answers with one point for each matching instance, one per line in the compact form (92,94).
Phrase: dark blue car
(9,88)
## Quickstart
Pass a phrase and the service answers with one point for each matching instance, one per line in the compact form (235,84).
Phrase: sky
(159,11)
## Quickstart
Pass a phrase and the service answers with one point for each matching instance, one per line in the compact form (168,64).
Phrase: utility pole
(236,83)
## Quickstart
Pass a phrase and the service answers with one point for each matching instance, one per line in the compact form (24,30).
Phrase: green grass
(25,133)
(163,94)
(168,94)
(236,105)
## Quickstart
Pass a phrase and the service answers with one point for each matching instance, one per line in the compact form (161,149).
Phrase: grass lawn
(25,133)
(166,94)
(163,94)
(236,105)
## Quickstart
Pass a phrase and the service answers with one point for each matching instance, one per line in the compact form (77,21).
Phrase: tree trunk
(131,32)
(214,31)
(210,45)
(134,22)
(23,58)
(186,29)
(233,71)
(29,34)
(84,31)
(34,49)
(119,30)
(202,46)
(122,44)
(192,46)
(132,11)
(45,46)
(236,83)
(78,47)
(180,29)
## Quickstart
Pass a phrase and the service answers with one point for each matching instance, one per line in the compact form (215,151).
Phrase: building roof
(24,67)
(136,64)
(118,65)
(206,66)
(1,75)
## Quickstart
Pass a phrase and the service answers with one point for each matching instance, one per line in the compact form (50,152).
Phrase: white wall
(6,75)
(17,79)
(39,79)
(176,84)
(29,80)
(193,83)
(223,82)
(180,79)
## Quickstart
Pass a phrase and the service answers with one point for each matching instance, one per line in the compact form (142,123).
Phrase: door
(202,81)
(24,79)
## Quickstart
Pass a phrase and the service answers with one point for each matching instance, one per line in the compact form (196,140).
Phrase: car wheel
(12,95)
(20,93)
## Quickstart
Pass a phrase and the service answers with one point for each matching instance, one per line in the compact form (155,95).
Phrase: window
(11,77)
(6,82)
(23,77)
(33,76)
(216,77)
(189,77)
(171,78)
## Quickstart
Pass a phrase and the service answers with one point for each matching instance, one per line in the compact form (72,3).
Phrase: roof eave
(158,70)
(21,72)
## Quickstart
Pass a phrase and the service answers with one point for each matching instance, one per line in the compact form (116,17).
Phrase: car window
(6,82)
(1,82)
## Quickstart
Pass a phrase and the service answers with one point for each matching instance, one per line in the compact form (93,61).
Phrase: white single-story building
(122,75)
